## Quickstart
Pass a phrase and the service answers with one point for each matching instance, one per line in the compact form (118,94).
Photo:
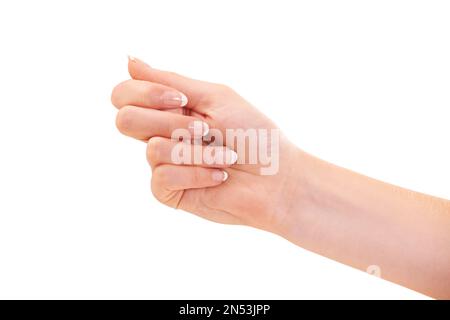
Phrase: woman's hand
(337,213)
(151,107)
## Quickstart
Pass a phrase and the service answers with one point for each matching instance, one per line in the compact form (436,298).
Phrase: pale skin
(326,209)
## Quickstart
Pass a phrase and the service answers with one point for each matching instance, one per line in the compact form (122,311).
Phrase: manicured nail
(176,99)
(226,156)
(225,176)
(199,128)
(205,129)
(135,60)
(219,176)
(231,157)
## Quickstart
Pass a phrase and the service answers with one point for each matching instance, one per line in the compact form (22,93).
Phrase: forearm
(363,222)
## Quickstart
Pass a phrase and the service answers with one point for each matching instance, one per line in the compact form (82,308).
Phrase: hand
(151,107)
(332,211)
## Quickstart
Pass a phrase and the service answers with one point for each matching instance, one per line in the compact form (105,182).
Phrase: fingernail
(220,176)
(225,176)
(205,129)
(176,99)
(199,128)
(225,157)
(231,157)
(134,59)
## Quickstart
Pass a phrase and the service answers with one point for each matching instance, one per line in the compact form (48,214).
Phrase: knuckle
(155,188)
(125,119)
(149,89)
(154,146)
(160,176)
(148,93)
(172,74)
(116,94)
(224,89)
(159,183)
(162,179)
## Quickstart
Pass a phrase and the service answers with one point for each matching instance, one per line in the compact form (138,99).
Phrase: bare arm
(329,210)
(363,222)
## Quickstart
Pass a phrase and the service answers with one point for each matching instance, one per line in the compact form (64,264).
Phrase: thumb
(195,90)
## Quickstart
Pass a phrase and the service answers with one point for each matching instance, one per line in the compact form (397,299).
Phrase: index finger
(195,90)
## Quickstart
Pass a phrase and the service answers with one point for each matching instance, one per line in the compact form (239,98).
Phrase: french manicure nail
(225,176)
(205,129)
(176,99)
(226,156)
(231,157)
(135,60)
(219,176)
(199,128)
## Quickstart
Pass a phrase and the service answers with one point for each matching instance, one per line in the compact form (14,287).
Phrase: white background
(363,84)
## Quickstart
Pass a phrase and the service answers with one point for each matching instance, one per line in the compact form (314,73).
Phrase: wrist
(308,198)
(295,180)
